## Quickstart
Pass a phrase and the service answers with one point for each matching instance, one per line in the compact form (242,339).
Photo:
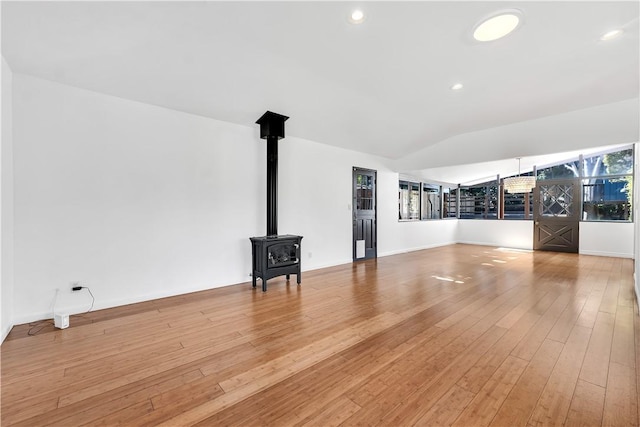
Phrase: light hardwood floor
(460,335)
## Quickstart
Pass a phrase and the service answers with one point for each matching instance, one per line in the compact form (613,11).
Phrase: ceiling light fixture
(614,34)
(356,17)
(497,26)
(457,86)
(519,184)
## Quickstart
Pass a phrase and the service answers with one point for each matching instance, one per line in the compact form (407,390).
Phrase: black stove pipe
(272,129)
(272,186)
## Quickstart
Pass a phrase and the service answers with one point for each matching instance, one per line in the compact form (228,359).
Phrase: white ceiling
(381,87)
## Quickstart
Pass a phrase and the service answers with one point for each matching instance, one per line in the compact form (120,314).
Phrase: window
(517,206)
(364,192)
(479,201)
(606,199)
(616,163)
(450,202)
(409,200)
(607,187)
(430,201)
(426,201)
(607,191)
(561,171)
(471,203)
(607,182)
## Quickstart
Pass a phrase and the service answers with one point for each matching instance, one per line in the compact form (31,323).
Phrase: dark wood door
(364,214)
(556,215)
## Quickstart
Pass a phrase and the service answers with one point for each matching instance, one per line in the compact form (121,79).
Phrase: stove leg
(264,285)
(253,279)
(287,277)
(299,278)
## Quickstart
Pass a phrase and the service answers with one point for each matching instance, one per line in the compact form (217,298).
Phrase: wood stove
(273,255)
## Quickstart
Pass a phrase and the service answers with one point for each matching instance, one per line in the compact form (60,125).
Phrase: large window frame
(606,172)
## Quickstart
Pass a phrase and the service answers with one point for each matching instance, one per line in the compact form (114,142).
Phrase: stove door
(282,254)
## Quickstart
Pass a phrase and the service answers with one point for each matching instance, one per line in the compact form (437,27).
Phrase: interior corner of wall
(5,332)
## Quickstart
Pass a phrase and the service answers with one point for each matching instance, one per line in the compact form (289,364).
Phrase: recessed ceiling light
(457,86)
(497,26)
(611,35)
(356,17)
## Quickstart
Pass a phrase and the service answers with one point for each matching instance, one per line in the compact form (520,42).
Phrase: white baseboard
(493,244)
(607,254)
(327,265)
(31,317)
(636,288)
(418,248)
(99,305)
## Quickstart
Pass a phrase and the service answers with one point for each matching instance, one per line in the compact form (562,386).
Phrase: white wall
(416,235)
(139,202)
(132,200)
(316,194)
(397,237)
(6,214)
(596,238)
(501,233)
(315,197)
(607,239)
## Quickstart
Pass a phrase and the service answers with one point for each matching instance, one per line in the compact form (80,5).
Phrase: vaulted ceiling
(380,87)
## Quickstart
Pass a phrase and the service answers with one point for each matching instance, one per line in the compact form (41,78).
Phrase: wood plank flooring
(461,335)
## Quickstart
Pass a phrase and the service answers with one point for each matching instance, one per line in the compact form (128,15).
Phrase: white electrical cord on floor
(55,301)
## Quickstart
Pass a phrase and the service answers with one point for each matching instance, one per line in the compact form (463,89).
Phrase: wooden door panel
(557,237)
